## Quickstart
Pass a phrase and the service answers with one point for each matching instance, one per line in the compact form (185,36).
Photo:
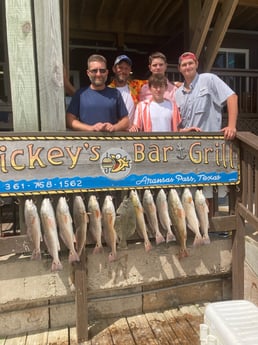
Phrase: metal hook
(237,189)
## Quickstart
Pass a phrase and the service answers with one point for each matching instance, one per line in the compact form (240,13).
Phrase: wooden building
(38,38)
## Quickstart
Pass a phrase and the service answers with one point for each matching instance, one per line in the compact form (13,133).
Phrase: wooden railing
(246,207)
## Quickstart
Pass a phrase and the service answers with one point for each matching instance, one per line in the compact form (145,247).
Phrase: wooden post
(81,299)
(238,257)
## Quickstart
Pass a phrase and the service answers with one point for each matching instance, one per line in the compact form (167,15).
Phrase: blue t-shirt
(91,106)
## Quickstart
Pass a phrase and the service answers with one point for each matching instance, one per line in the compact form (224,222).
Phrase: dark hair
(157,55)
(98,58)
(157,80)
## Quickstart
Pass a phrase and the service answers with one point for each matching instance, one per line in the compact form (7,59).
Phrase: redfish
(140,222)
(108,222)
(80,220)
(151,215)
(202,211)
(191,216)
(177,215)
(64,221)
(163,215)
(95,226)
(50,232)
(33,226)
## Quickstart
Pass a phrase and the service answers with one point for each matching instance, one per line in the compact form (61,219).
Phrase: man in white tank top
(129,88)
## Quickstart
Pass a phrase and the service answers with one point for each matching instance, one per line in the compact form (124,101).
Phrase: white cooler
(230,323)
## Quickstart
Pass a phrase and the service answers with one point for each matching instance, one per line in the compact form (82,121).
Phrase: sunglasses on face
(96,70)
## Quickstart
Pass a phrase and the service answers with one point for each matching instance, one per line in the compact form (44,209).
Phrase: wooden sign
(71,163)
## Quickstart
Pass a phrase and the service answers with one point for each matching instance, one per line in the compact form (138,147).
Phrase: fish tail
(73,256)
(98,249)
(147,246)
(159,238)
(206,239)
(56,266)
(183,253)
(122,244)
(170,237)
(198,241)
(71,281)
(36,255)
(112,257)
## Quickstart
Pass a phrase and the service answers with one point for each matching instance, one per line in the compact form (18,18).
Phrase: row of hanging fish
(167,219)
(52,222)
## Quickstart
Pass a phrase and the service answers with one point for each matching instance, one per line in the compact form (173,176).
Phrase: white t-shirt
(161,116)
(130,106)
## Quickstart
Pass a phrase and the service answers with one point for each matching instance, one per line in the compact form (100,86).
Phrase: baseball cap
(123,58)
(187,55)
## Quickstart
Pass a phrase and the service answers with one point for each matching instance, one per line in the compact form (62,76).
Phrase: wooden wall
(36,67)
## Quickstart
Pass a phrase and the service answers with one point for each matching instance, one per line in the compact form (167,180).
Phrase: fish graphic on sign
(117,162)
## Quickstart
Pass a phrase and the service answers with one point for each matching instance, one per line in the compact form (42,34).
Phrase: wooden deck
(178,326)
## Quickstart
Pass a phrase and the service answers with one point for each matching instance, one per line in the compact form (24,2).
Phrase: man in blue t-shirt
(97,107)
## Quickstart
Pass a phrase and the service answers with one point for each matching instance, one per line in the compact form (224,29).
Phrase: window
(232,58)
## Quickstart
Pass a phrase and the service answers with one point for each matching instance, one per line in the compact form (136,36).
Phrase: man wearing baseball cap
(200,100)
(129,88)
(202,97)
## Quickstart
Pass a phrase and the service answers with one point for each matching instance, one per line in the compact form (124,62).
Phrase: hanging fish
(108,221)
(80,219)
(140,222)
(163,215)
(95,226)
(33,226)
(125,223)
(202,211)
(50,232)
(64,222)
(151,215)
(191,216)
(177,215)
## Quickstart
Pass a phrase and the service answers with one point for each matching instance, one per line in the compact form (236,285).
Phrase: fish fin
(112,257)
(36,255)
(98,249)
(183,253)
(180,213)
(147,246)
(98,213)
(159,239)
(56,266)
(73,257)
(170,237)
(198,240)
(206,239)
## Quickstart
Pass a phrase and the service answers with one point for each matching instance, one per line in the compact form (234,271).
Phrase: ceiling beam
(192,10)
(150,15)
(250,3)
(203,26)
(220,28)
